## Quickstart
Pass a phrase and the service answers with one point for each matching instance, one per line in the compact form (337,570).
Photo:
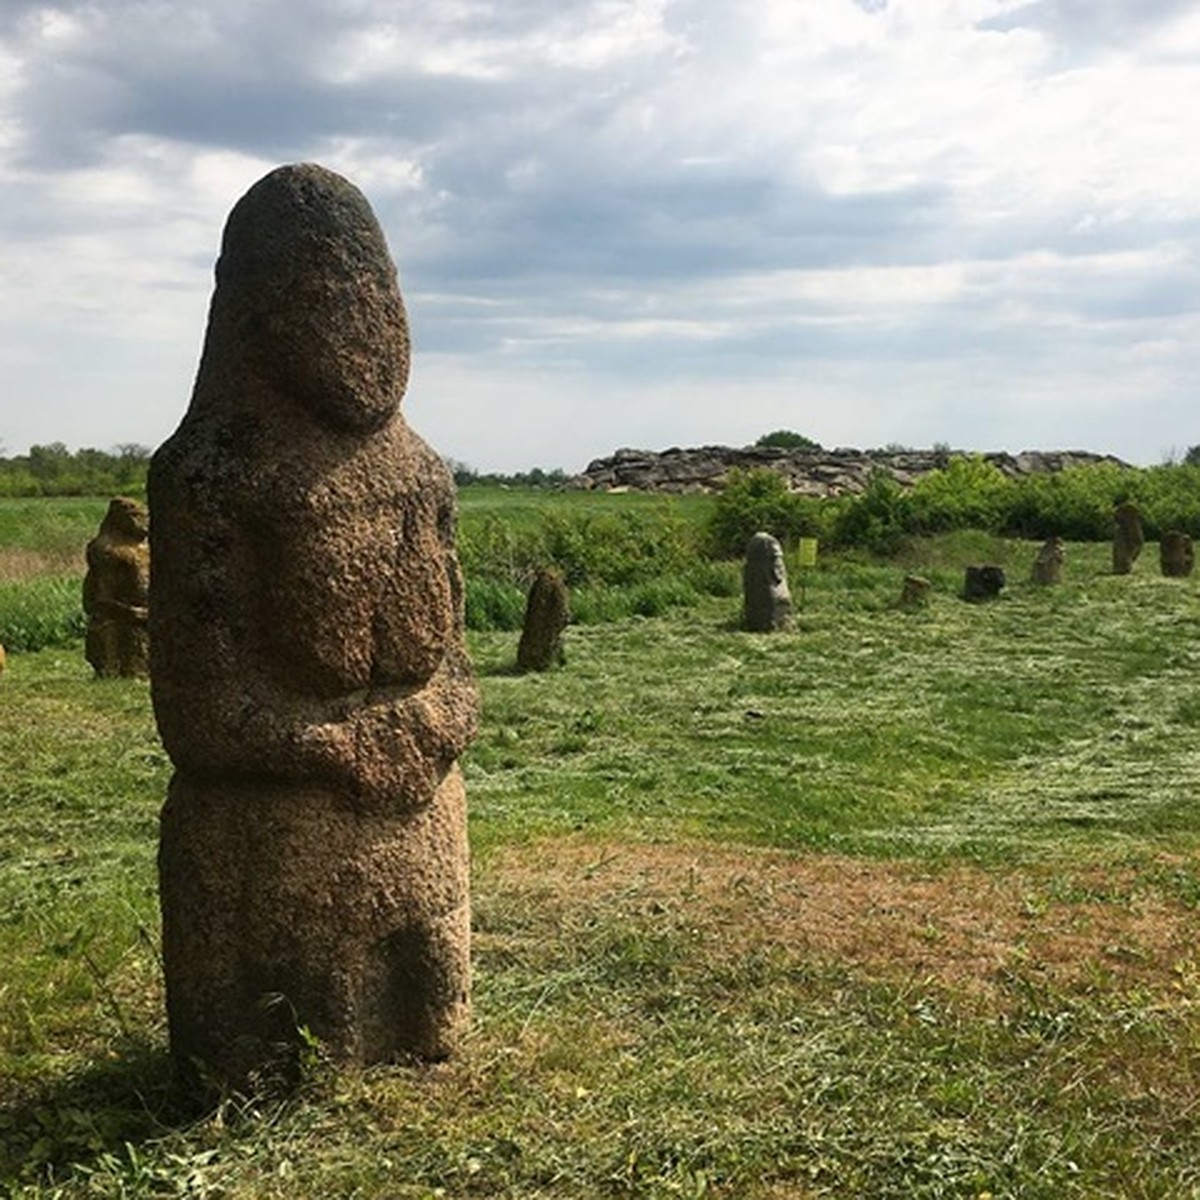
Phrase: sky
(632,223)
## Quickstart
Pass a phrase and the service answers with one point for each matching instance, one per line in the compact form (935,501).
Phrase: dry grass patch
(961,928)
(19,565)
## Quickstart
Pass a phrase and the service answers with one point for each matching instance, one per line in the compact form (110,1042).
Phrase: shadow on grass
(92,1117)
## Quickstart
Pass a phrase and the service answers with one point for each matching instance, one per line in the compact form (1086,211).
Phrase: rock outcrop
(809,472)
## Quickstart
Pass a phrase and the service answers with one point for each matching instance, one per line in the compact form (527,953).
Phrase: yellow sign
(808,552)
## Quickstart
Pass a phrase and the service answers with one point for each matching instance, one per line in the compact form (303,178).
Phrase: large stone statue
(766,599)
(115,590)
(309,674)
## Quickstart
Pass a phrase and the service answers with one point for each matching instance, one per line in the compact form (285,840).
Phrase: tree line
(53,470)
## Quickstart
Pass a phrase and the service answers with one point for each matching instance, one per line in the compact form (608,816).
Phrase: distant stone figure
(768,603)
(915,591)
(983,583)
(1128,539)
(1048,565)
(309,673)
(115,593)
(1176,555)
(547,612)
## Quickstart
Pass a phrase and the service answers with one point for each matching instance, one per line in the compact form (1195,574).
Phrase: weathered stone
(983,583)
(309,672)
(768,603)
(1048,565)
(1176,555)
(915,591)
(115,593)
(547,613)
(1128,539)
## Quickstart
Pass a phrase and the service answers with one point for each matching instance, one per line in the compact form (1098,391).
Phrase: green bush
(759,501)
(39,613)
(494,604)
(968,493)
(879,520)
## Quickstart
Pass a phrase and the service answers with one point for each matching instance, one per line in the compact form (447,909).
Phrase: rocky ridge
(808,472)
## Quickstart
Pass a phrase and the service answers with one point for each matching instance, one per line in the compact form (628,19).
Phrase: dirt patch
(964,928)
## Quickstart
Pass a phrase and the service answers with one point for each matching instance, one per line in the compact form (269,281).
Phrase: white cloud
(631,220)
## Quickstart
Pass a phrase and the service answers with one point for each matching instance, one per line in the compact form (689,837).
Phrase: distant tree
(1192,457)
(788,439)
(463,473)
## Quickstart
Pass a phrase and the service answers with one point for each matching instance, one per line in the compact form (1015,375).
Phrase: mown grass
(897,904)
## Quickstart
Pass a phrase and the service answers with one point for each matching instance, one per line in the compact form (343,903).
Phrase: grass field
(897,904)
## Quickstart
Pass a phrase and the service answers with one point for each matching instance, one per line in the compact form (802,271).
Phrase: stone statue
(983,582)
(1048,565)
(1128,539)
(115,592)
(914,592)
(768,603)
(547,613)
(1176,554)
(309,671)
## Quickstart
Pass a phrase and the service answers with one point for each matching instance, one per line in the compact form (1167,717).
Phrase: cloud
(627,214)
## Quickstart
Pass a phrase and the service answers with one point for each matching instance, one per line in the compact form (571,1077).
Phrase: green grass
(896,904)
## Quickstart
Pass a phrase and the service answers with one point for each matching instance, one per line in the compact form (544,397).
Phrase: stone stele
(766,599)
(115,592)
(1048,564)
(309,672)
(1127,539)
(984,582)
(1176,554)
(547,614)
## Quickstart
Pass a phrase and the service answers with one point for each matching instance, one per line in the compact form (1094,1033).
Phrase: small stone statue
(547,613)
(309,672)
(915,592)
(768,603)
(1176,555)
(1048,565)
(983,583)
(115,593)
(1128,539)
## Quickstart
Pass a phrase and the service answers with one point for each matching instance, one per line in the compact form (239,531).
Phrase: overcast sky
(632,222)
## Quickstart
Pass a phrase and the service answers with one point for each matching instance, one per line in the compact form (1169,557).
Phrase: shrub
(40,612)
(879,520)
(968,493)
(788,439)
(759,500)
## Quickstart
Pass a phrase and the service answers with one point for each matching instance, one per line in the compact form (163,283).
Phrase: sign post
(808,559)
